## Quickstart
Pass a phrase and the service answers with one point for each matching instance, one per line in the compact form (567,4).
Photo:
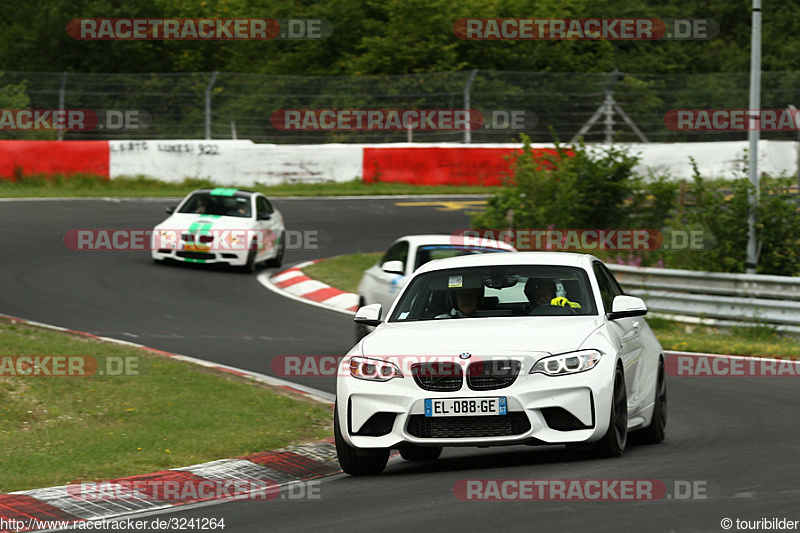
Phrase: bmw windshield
(496,291)
(212,204)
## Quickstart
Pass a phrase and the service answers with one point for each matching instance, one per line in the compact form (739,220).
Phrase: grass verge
(54,430)
(344,272)
(140,186)
(755,340)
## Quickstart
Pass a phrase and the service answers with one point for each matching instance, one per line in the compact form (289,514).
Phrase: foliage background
(586,188)
(393,37)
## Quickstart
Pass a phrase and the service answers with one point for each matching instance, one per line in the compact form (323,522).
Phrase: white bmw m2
(501,349)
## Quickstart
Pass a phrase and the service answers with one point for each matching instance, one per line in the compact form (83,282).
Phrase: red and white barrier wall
(53,157)
(243,163)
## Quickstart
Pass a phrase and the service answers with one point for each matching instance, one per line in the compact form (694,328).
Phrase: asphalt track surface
(735,439)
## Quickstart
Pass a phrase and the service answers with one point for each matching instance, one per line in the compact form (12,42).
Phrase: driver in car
(466,303)
(543,292)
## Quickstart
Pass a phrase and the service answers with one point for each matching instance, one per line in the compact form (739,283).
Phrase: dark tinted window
(263,206)
(609,288)
(212,204)
(438,251)
(398,252)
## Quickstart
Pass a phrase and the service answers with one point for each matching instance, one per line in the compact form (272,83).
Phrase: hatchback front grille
(462,427)
(438,377)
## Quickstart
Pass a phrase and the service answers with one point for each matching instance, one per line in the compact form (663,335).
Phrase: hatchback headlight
(567,363)
(373,369)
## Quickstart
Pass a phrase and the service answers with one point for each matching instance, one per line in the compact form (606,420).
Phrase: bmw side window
(398,252)
(605,288)
(614,285)
(263,207)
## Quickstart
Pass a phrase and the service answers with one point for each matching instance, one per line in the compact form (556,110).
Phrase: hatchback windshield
(495,291)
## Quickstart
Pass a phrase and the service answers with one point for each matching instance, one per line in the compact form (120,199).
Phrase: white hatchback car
(222,225)
(381,283)
(501,349)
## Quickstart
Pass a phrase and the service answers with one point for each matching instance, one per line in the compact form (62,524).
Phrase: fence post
(208,103)
(61,92)
(753,136)
(609,105)
(467,103)
(793,109)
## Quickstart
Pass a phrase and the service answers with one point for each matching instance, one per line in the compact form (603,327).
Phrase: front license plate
(466,406)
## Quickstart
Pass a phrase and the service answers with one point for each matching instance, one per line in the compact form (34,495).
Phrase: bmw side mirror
(170,209)
(392,267)
(625,306)
(369,315)
(264,216)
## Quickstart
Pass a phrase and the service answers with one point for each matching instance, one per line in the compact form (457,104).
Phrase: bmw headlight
(166,239)
(373,369)
(567,363)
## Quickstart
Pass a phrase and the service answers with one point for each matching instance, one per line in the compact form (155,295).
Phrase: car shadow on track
(497,458)
(215,267)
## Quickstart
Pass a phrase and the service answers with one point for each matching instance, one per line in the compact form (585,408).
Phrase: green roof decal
(223,191)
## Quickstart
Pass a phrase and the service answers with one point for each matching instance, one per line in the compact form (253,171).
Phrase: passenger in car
(201,205)
(543,292)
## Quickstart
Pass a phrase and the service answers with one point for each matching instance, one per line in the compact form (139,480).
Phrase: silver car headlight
(567,363)
(373,369)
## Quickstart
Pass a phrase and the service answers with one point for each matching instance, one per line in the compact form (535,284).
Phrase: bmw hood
(194,222)
(497,336)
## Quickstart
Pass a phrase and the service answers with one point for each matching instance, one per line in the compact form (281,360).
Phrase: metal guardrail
(716,298)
